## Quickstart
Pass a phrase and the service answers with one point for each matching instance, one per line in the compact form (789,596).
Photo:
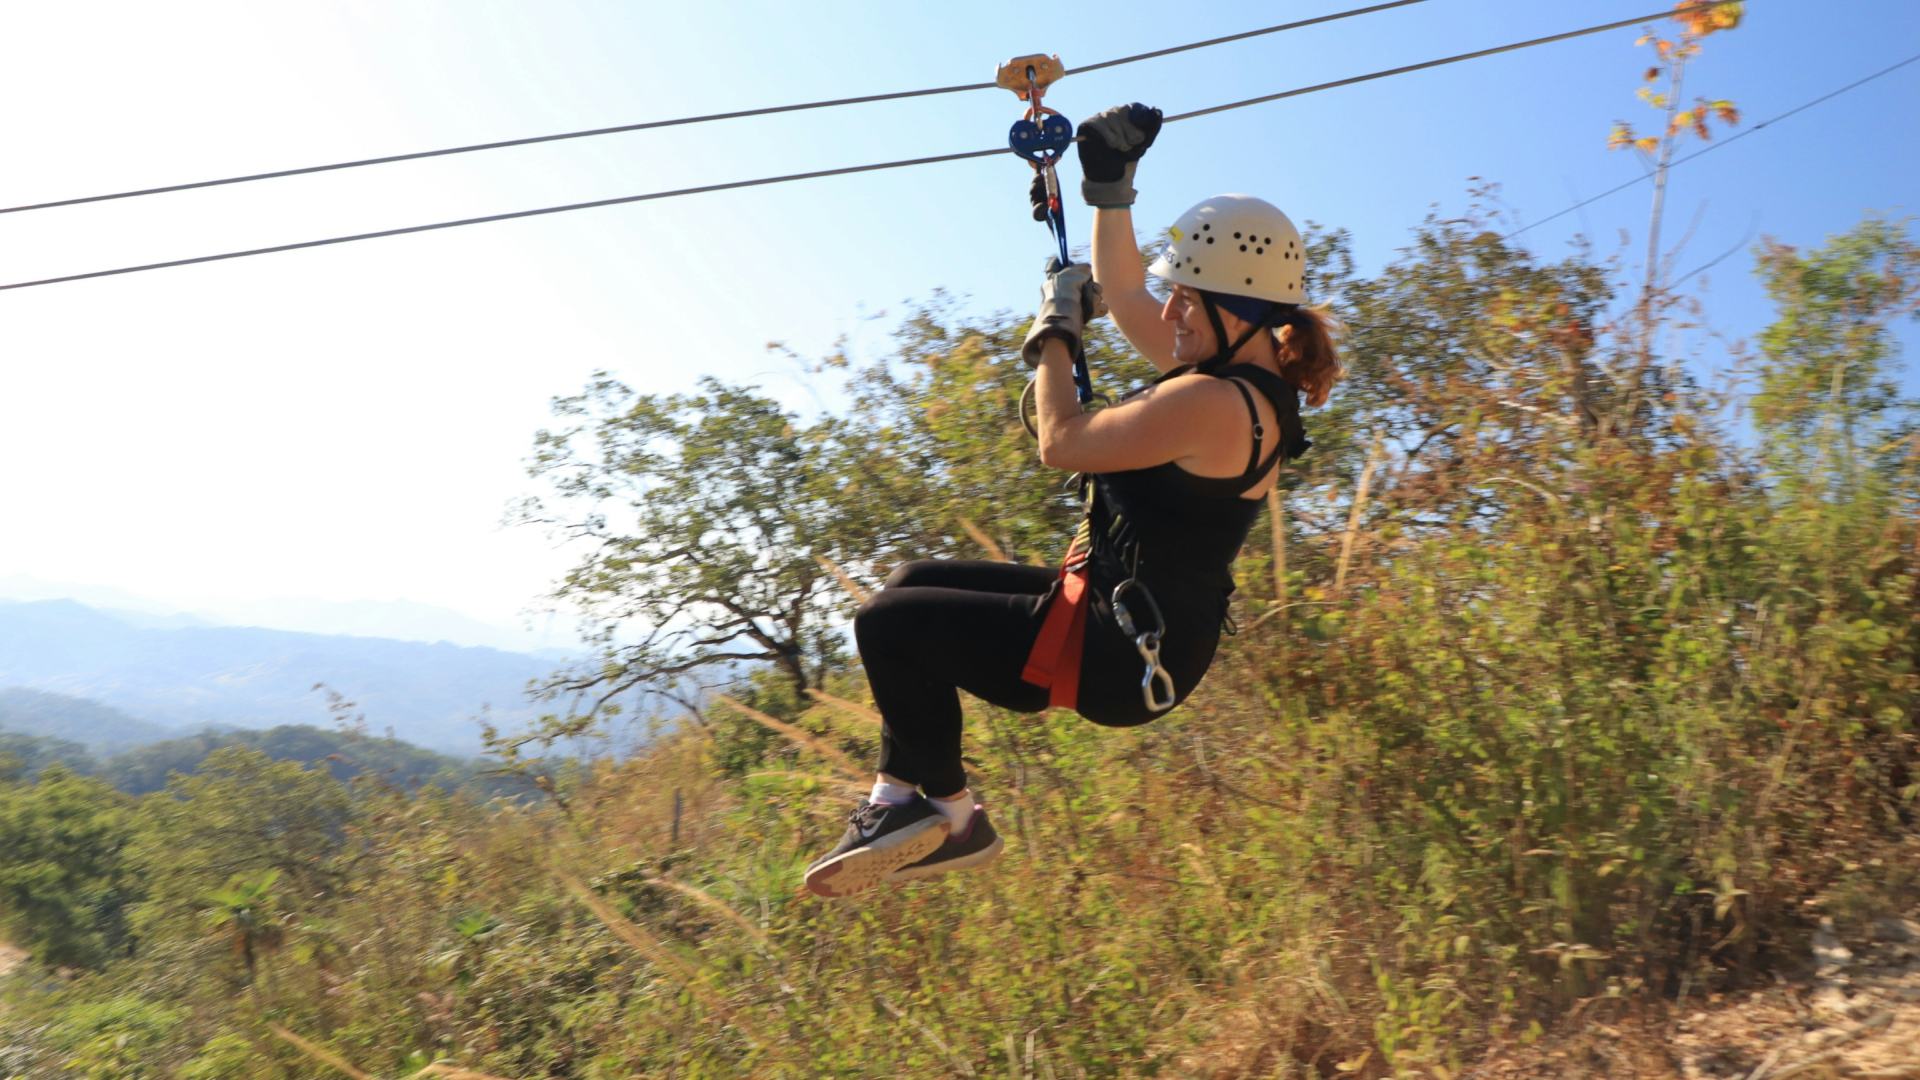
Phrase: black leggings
(939,627)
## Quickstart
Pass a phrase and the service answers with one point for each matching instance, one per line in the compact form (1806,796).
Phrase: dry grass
(1374,458)
(853,588)
(717,906)
(979,536)
(454,1072)
(845,706)
(318,1053)
(661,957)
(806,740)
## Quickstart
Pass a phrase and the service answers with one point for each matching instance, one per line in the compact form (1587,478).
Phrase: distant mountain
(199,676)
(402,620)
(58,716)
(344,754)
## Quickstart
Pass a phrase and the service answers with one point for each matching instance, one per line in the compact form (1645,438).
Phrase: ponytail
(1309,348)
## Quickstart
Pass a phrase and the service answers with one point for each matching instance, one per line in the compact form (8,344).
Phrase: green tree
(707,516)
(122,1038)
(246,911)
(1827,364)
(66,883)
(241,815)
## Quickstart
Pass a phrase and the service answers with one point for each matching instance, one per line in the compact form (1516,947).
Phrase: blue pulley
(1042,142)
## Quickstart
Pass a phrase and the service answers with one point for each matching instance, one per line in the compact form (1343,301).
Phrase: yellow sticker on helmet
(1177,234)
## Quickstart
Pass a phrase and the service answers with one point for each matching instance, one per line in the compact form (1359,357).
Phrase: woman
(1177,473)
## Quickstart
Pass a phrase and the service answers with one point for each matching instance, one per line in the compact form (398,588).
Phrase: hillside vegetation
(83,723)
(1565,686)
(137,758)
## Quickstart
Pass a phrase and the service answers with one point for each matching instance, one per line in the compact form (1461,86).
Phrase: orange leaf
(1653,73)
(1663,47)
(1726,112)
(1649,144)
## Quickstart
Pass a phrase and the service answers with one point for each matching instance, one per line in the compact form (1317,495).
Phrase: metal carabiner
(1156,677)
(1156,685)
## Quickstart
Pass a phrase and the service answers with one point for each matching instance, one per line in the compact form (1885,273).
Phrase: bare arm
(1171,422)
(1116,266)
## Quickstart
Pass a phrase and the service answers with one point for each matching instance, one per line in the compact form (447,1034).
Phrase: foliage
(122,1038)
(707,514)
(65,882)
(242,815)
(344,755)
(27,755)
(224,1057)
(1697,21)
(1590,700)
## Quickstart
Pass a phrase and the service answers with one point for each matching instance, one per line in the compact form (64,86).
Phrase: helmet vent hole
(1243,247)
(1259,251)
(1268,240)
(1249,281)
(1206,228)
(1209,239)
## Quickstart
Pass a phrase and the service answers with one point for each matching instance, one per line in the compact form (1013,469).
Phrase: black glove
(1111,144)
(1068,301)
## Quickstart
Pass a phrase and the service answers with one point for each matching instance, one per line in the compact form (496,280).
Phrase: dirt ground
(1855,1015)
(10,958)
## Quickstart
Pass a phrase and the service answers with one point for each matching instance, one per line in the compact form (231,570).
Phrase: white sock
(891,794)
(958,811)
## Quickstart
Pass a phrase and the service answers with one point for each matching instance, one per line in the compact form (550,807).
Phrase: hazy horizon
(396,619)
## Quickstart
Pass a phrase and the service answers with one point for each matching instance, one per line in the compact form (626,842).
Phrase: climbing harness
(1054,662)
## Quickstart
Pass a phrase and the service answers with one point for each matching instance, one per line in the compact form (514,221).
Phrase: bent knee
(880,614)
(904,575)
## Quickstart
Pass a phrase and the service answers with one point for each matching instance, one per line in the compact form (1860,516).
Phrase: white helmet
(1239,245)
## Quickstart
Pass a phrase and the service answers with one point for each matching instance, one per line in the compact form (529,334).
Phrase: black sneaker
(978,845)
(880,838)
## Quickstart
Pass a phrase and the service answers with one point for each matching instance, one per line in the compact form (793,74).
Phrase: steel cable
(728,185)
(650,125)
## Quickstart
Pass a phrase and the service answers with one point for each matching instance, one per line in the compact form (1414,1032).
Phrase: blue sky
(349,423)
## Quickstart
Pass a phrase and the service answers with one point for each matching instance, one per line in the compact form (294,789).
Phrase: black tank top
(1170,527)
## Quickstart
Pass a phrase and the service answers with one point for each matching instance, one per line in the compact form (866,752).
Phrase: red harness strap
(1054,662)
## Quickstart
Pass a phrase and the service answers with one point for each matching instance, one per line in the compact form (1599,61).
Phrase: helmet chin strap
(1220,335)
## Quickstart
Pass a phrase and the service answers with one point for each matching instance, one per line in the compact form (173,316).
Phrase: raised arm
(1111,144)
(1116,266)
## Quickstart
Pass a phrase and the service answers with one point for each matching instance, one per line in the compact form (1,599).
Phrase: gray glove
(1068,301)
(1111,144)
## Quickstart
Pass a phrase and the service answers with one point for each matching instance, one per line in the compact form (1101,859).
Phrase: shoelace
(866,814)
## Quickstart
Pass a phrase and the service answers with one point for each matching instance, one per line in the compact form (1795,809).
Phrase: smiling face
(1193,338)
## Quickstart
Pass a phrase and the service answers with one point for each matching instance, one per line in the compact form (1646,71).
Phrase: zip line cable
(729,185)
(650,125)
(1711,147)
(511,215)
